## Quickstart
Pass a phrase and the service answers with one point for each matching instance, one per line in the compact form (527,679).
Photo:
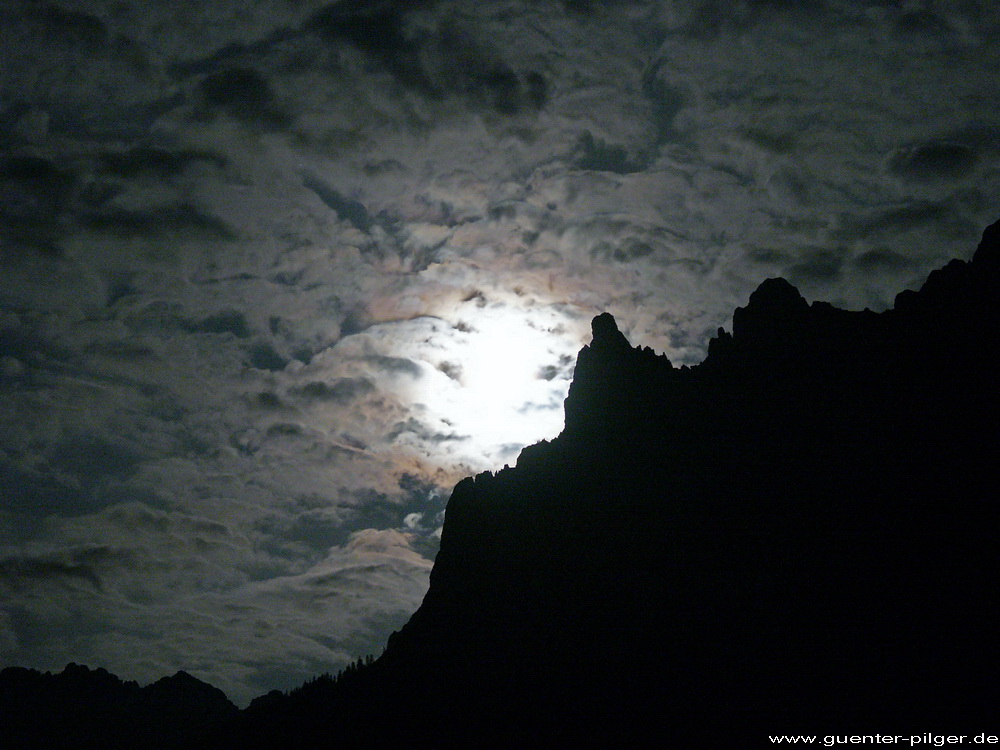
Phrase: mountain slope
(796,534)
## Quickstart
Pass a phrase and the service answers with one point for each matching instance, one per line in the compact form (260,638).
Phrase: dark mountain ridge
(797,535)
(82,707)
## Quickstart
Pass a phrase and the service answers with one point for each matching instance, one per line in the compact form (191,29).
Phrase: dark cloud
(346,209)
(933,160)
(452,369)
(69,26)
(122,350)
(777,142)
(496,85)
(267,400)
(40,358)
(26,343)
(317,529)
(42,42)
(119,287)
(247,441)
(419,509)
(232,52)
(767,256)
(22,572)
(922,21)
(882,260)
(342,390)
(548,372)
(180,218)
(263,356)
(682,338)
(630,250)
(158,317)
(243,93)
(285,429)
(412,427)
(395,365)
(449,60)
(225,321)
(33,194)
(75,475)
(894,220)
(35,185)
(155,162)
(378,30)
(711,17)
(536,89)
(94,457)
(375,27)
(665,102)
(600,156)
(40,490)
(503,211)
(502,88)
(816,267)
(126,121)
(96,193)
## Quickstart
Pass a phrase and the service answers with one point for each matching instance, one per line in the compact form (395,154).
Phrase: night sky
(275,274)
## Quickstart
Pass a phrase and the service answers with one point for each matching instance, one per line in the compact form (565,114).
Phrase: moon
(494,380)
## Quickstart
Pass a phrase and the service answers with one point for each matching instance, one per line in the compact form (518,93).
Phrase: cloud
(599,156)
(179,218)
(341,390)
(142,599)
(244,94)
(33,193)
(379,31)
(933,160)
(72,27)
(157,162)
(22,573)
(394,365)
(225,321)
(263,356)
(346,209)
(880,261)
(73,475)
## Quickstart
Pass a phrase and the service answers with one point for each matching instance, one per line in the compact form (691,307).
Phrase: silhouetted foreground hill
(797,535)
(84,708)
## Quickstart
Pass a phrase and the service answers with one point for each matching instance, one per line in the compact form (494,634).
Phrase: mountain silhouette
(795,536)
(85,708)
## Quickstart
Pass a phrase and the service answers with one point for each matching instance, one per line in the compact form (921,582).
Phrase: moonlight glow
(511,380)
(485,379)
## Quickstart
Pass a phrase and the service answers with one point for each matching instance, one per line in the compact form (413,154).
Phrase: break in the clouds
(276,274)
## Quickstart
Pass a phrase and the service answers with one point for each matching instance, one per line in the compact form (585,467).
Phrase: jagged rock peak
(988,253)
(606,333)
(610,374)
(778,295)
(775,316)
(960,284)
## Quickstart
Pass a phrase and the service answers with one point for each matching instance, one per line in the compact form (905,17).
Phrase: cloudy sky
(275,274)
